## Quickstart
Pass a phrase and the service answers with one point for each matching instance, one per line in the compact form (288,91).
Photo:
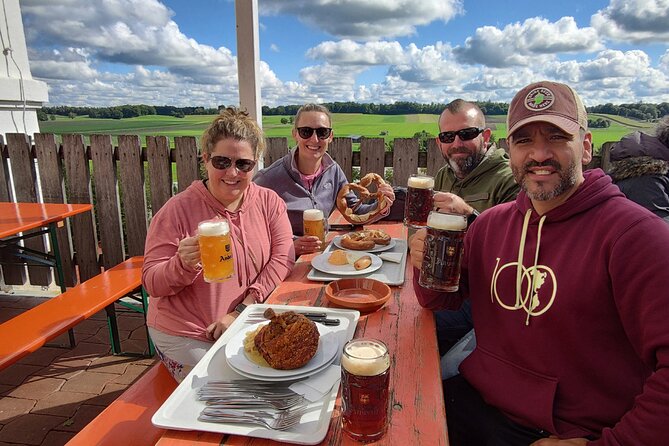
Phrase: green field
(344,124)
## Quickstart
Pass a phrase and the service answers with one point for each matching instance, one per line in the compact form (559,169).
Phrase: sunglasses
(321,132)
(223,162)
(464,134)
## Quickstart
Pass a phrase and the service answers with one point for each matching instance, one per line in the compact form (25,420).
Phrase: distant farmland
(388,127)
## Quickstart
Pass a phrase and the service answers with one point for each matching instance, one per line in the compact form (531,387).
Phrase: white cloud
(634,21)
(534,42)
(348,52)
(274,47)
(366,20)
(664,63)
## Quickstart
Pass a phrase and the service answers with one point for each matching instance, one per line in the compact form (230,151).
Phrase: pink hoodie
(181,302)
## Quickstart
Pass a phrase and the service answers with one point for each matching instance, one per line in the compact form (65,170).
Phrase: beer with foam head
(443,251)
(365,376)
(419,200)
(314,224)
(216,250)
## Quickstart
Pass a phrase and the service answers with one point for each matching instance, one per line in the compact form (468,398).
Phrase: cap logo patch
(539,98)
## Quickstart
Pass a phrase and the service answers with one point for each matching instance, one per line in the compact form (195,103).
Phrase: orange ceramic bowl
(362,294)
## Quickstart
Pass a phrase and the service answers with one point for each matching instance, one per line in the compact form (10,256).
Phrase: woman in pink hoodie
(186,314)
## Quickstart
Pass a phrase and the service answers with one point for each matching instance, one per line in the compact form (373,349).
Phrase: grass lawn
(388,127)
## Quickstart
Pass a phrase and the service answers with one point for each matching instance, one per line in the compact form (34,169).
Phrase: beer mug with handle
(365,377)
(443,251)
(216,250)
(419,200)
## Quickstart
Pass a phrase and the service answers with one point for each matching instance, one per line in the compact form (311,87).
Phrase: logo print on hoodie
(529,281)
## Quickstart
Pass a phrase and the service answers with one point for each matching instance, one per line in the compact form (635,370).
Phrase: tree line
(639,110)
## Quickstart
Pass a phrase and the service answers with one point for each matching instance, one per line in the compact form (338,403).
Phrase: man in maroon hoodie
(569,287)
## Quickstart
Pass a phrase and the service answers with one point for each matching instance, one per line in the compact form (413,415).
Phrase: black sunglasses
(464,134)
(223,162)
(321,132)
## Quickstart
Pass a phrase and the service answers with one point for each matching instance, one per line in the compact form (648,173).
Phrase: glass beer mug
(365,376)
(215,250)
(419,200)
(314,224)
(443,251)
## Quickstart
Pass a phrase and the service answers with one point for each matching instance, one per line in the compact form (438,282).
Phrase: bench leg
(113,329)
(145,306)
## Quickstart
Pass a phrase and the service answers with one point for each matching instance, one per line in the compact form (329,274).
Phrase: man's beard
(464,166)
(567,176)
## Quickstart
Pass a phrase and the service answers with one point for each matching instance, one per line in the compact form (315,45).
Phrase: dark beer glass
(443,251)
(419,201)
(365,374)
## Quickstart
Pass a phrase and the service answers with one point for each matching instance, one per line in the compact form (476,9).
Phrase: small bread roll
(362,263)
(338,257)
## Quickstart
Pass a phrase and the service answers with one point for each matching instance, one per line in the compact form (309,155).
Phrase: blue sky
(176,52)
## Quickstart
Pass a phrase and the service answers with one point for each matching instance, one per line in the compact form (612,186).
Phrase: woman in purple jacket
(308,178)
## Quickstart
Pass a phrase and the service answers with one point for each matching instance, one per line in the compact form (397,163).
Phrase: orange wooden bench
(127,420)
(31,329)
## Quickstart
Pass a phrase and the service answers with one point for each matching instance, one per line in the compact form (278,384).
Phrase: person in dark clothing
(640,164)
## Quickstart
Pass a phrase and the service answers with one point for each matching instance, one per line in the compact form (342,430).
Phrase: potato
(362,263)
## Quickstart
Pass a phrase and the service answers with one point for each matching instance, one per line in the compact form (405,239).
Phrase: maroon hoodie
(575,340)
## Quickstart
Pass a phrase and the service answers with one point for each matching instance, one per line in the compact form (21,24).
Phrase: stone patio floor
(51,394)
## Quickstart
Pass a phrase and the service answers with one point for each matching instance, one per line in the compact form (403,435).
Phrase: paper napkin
(317,386)
(395,257)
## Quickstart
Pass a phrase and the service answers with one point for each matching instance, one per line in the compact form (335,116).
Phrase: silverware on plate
(277,420)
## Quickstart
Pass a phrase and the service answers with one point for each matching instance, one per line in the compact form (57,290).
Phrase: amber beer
(216,250)
(314,224)
(419,201)
(443,251)
(365,374)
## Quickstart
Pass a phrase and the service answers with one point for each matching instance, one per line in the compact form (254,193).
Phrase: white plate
(328,346)
(376,248)
(283,378)
(320,262)
(181,409)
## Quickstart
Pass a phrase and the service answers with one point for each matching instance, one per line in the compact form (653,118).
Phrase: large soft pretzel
(364,195)
(364,240)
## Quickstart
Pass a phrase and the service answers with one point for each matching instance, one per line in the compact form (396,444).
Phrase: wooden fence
(129,183)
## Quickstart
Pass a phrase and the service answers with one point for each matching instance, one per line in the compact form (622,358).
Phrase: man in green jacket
(476,177)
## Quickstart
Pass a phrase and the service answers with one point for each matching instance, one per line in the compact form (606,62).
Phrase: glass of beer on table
(314,224)
(215,250)
(365,375)
(443,251)
(419,200)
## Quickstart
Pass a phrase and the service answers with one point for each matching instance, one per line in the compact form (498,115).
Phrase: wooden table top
(417,414)
(20,217)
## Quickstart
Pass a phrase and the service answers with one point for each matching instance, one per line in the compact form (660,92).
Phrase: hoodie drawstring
(519,272)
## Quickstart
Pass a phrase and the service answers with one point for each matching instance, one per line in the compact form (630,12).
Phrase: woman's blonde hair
(236,124)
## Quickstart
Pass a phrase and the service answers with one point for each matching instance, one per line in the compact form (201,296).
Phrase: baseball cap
(547,101)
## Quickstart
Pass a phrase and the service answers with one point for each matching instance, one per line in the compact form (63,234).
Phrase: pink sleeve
(163,274)
(282,258)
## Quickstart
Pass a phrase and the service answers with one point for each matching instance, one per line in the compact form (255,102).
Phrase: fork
(233,401)
(277,421)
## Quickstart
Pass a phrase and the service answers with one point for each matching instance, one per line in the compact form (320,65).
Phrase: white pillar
(248,57)
(20,94)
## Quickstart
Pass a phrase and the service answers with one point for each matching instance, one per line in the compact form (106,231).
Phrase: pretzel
(364,240)
(364,195)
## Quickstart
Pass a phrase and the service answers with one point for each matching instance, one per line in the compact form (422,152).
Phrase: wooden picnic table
(417,414)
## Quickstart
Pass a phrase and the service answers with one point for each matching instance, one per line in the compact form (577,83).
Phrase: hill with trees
(639,110)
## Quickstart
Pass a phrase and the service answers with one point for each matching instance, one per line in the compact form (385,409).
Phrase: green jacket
(490,183)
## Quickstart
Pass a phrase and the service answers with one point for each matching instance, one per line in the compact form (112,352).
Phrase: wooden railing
(129,183)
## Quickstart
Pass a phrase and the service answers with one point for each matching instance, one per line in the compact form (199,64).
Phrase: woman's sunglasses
(223,162)
(464,134)
(321,132)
